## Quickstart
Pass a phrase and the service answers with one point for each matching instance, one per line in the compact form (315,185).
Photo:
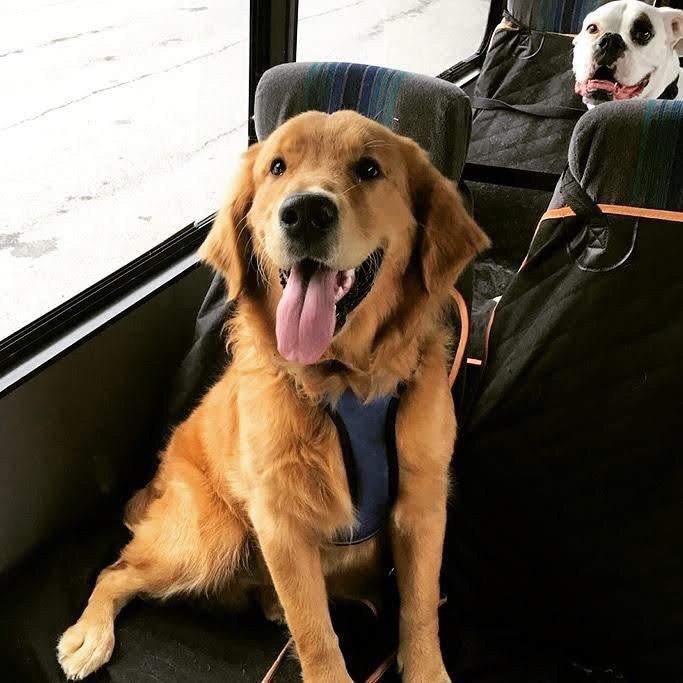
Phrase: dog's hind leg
(186,540)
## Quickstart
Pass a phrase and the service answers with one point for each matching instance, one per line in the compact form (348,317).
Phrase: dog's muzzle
(308,221)
(608,49)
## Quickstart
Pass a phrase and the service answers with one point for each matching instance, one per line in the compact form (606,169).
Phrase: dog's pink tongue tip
(305,316)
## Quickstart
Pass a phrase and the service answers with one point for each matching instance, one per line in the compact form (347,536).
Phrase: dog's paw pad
(84,648)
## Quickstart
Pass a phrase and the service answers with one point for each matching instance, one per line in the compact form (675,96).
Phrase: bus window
(120,125)
(424,37)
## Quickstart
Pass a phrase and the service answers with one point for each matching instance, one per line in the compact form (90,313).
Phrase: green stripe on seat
(309,84)
(659,135)
(393,88)
(377,95)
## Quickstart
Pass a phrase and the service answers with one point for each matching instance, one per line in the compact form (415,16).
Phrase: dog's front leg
(425,441)
(293,560)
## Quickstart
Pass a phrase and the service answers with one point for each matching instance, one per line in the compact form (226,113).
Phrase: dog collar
(671,91)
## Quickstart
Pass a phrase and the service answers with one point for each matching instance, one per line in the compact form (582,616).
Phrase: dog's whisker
(348,189)
(242,229)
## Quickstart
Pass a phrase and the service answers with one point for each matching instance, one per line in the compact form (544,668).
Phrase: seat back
(525,110)
(560,16)
(630,154)
(434,113)
(571,457)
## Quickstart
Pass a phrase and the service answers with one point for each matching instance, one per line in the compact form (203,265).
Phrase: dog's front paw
(85,647)
(421,669)
(422,676)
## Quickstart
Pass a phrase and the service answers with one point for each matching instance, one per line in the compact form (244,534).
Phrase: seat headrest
(434,113)
(556,16)
(630,153)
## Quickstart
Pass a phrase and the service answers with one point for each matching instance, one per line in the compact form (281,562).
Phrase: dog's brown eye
(367,169)
(278,167)
(592,29)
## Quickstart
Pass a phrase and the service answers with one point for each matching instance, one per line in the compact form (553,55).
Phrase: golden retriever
(251,488)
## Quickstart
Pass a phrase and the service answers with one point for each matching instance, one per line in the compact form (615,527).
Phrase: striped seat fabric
(559,16)
(433,112)
(630,153)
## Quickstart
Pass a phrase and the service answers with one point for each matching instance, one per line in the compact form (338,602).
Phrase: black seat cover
(569,511)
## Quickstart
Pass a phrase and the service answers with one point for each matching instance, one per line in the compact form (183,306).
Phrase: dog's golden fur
(251,487)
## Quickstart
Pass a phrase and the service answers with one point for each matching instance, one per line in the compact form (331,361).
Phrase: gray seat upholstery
(559,16)
(434,113)
(630,153)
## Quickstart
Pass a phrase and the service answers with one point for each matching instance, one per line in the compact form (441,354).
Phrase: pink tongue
(619,92)
(584,87)
(305,317)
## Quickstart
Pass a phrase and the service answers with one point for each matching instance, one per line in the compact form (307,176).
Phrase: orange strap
(383,667)
(464,334)
(270,674)
(635,211)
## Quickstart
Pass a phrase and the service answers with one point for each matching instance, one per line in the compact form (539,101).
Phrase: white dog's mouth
(603,87)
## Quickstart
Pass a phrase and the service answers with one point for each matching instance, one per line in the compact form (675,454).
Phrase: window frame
(272,40)
(273,26)
(468,68)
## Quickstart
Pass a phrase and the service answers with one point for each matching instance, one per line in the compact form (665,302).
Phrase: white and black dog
(628,49)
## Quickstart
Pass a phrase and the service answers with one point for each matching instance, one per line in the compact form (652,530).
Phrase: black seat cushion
(183,641)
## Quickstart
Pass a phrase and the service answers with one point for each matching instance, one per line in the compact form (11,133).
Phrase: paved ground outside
(121,122)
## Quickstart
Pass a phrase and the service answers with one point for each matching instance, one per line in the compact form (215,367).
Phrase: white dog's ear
(673,22)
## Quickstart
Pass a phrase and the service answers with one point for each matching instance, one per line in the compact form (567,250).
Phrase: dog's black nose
(609,48)
(308,216)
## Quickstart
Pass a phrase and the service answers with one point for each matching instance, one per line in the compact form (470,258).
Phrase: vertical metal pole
(272,40)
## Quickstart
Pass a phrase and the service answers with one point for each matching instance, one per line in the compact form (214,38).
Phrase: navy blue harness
(367,436)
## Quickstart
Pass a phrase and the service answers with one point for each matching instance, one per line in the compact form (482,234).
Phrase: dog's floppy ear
(449,239)
(227,247)
(673,22)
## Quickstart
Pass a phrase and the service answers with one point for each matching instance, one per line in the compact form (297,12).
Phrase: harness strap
(367,437)
(671,91)
(464,334)
(546,111)
(553,111)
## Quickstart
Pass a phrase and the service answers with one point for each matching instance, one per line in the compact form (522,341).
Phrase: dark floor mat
(179,641)
(188,642)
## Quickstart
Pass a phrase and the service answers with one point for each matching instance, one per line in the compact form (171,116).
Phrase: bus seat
(566,530)
(529,65)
